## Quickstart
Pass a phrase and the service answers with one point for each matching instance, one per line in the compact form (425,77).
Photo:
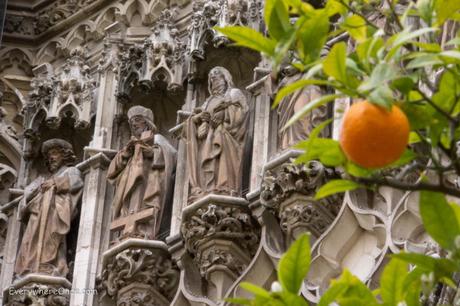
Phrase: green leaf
(334,64)
(356,26)
(357,170)
(403,84)
(445,9)
(347,289)
(425,9)
(336,186)
(312,34)
(336,289)
(401,38)
(443,267)
(293,266)
(439,218)
(326,150)
(255,290)
(382,96)
(391,281)
(249,38)
(406,157)
(293,87)
(455,41)
(383,73)
(426,60)
(310,106)
(452,54)
(239,301)
(276,18)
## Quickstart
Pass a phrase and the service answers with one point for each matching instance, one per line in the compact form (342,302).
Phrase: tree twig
(385,181)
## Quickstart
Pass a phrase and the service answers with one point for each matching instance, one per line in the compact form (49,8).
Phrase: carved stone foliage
(219,234)
(38,290)
(221,13)
(159,60)
(44,19)
(69,93)
(141,274)
(288,191)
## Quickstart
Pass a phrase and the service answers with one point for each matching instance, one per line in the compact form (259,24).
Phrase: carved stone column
(139,272)
(35,289)
(288,191)
(94,169)
(221,238)
(261,144)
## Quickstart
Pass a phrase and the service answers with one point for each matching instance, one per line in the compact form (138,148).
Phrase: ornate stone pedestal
(139,272)
(222,238)
(37,289)
(288,191)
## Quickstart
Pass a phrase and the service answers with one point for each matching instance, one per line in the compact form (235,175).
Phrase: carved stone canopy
(208,14)
(67,93)
(159,60)
(139,270)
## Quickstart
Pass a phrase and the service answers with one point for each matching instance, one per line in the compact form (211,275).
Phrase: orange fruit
(372,136)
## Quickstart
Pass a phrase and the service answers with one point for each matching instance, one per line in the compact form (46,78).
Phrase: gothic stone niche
(138,272)
(142,172)
(47,209)
(215,135)
(156,64)
(221,13)
(222,238)
(288,190)
(290,104)
(69,93)
(38,290)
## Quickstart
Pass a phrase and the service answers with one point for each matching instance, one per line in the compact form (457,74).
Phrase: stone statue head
(219,80)
(140,120)
(58,153)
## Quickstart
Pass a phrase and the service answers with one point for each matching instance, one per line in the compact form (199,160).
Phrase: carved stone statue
(50,205)
(215,136)
(142,172)
(292,103)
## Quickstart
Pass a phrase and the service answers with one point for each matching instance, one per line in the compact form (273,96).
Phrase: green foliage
(396,64)
(336,186)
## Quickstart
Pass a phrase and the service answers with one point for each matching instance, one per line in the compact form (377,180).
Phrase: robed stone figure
(215,136)
(50,205)
(293,103)
(142,173)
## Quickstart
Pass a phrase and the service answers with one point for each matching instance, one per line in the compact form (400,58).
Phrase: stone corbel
(288,192)
(35,289)
(221,238)
(138,272)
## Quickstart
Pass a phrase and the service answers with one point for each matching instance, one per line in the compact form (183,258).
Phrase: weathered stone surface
(139,272)
(38,290)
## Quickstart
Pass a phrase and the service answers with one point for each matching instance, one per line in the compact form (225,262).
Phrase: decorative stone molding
(139,272)
(160,59)
(220,234)
(288,190)
(55,96)
(37,289)
(208,14)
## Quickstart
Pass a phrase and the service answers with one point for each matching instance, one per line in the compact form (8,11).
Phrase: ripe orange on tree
(373,136)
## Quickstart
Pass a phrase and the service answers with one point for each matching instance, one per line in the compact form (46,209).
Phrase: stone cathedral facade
(141,162)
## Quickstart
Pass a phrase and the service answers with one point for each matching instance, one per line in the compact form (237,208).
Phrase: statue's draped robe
(215,162)
(291,104)
(144,180)
(43,247)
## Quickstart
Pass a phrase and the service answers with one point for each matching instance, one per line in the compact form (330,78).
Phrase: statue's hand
(147,151)
(205,116)
(47,184)
(217,119)
(202,131)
